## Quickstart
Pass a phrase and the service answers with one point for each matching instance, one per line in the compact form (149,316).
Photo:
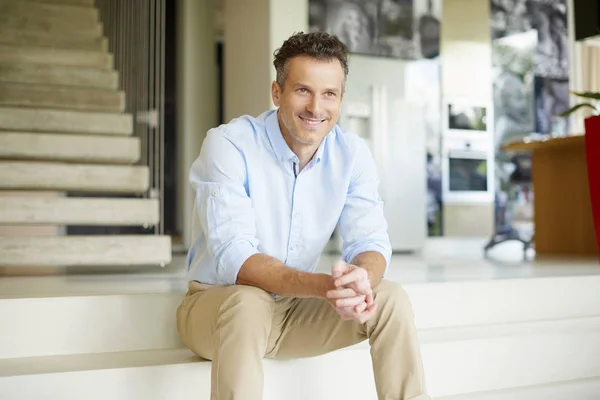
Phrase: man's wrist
(322,284)
(374,263)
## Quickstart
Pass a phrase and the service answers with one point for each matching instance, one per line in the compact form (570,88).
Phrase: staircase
(68,156)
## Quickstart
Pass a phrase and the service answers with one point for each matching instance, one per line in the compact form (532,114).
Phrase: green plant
(587,95)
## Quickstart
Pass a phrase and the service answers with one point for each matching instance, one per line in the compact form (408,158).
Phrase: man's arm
(362,223)
(275,277)
(227,219)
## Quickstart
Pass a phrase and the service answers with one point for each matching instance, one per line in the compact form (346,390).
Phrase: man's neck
(305,153)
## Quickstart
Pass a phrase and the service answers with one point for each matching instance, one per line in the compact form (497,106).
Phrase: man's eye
(330,94)
(302,90)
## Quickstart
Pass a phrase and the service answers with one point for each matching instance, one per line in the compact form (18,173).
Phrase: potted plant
(592,153)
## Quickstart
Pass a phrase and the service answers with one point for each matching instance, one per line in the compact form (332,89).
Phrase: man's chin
(309,138)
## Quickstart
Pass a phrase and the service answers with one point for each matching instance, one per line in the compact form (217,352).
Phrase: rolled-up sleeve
(362,224)
(219,179)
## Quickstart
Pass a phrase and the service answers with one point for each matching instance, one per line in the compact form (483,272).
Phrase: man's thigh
(206,309)
(309,327)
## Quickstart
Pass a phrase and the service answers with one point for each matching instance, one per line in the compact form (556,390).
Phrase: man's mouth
(311,121)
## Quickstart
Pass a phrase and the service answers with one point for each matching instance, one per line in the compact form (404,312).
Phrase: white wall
(466,50)
(247,75)
(197,95)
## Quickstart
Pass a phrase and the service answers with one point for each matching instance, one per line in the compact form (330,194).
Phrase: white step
(585,389)
(78,211)
(18,18)
(34,38)
(35,10)
(50,26)
(456,304)
(59,251)
(44,55)
(433,308)
(537,354)
(29,175)
(63,121)
(59,75)
(80,3)
(69,147)
(61,97)
(511,355)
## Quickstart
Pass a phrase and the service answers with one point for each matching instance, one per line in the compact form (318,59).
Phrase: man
(269,192)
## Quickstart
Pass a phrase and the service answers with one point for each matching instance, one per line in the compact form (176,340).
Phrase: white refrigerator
(376,108)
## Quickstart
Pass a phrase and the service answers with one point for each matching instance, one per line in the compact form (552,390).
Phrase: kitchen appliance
(376,109)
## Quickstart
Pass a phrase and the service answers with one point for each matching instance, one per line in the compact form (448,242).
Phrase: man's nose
(314,106)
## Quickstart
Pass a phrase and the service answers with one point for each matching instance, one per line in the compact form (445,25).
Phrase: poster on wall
(530,69)
(513,84)
(548,18)
(406,29)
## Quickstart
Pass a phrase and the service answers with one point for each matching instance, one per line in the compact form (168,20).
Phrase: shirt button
(292,248)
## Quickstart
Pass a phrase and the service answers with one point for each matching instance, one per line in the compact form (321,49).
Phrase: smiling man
(270,191)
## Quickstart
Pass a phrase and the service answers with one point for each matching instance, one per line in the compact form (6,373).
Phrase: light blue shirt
(249,200)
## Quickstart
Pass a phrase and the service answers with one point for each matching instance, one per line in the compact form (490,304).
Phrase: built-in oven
(468,170)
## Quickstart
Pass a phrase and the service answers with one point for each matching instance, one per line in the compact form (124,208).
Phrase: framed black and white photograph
(513,83)
(549,19)
(509,17)
(551,99)
(405,29)
(467,117)
(546,17)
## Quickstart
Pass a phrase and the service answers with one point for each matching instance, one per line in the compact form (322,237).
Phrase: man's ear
(276,93)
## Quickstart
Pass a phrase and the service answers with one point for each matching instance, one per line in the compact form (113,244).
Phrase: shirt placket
(295,238)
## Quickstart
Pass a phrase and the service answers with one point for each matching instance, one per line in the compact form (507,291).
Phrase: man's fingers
(369,299)
(339,269)
(341,293)
(371,307)
(346,313)
(352,276)
(350,301)
(360,308)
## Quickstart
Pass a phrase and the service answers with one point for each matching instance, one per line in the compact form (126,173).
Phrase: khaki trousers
(236,326)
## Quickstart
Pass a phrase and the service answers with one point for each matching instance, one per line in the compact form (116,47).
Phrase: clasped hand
(352,297)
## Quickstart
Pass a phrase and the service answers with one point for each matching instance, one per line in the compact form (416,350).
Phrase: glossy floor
(441,260)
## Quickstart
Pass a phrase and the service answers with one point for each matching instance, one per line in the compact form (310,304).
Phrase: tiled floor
(441,260)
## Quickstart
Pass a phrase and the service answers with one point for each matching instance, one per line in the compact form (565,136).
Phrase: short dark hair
(318,45)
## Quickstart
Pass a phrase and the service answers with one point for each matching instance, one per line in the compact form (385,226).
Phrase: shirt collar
(319,154)
(281,148)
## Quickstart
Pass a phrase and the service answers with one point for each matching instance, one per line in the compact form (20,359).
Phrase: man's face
(310,100)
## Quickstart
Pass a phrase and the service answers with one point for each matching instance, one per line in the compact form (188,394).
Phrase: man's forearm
(275,277)
(374,262)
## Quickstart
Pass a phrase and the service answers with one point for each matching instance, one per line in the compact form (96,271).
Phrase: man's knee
(246,305)
(241,313)
(392,299)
